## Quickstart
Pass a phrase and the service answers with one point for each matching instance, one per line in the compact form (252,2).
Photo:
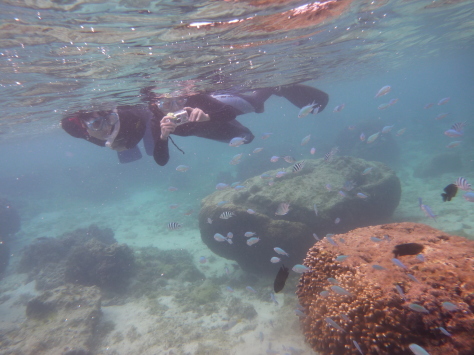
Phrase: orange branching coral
(358,293)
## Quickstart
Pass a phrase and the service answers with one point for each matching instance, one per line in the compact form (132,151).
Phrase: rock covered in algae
(391,303)
(60,321)
(293,232)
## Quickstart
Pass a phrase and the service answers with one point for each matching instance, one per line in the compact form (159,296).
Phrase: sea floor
(163,326)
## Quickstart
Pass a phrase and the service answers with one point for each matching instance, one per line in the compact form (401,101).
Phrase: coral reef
(60,321)
(439,164)
(384,304)
(95,263)
(294,231)
(88,256)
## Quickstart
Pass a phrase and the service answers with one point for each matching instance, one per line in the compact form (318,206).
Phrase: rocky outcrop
(60,321)
(293,232)
(87,256)
(356,291)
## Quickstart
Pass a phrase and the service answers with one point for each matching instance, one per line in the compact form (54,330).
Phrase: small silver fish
(330,240)
(250,289)
(237,141)
(413,278)
(252,241)
(399,263)
(357,347)
(250,211)
(182,168)
(300,268)
(341,258)
(324,293)
(334,324)
(418,350)
(378,267)
(400,292)
(444,331)
(275,260)
(449,306)
(280,251)
(249,234)
(209,220)
(306,110)
(305,140)
(219,237)
(340,291)
(273,298)
(417,308)
(315,209)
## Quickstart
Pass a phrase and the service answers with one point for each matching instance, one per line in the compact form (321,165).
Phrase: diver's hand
(167,127)
(197,115)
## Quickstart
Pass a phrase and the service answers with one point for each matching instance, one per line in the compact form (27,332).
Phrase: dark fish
(280,279)
(450,192)
(407,249)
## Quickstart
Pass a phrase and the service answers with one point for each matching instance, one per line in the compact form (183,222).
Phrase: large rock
(293,232)
(390,306)
(62,321)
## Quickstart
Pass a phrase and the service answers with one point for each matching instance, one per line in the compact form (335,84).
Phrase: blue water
(423,54)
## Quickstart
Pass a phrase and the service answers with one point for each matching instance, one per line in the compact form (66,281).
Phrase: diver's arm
(302,95)
(161,152)
(216,110)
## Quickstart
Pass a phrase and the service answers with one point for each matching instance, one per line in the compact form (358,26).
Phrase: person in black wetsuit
(211,116)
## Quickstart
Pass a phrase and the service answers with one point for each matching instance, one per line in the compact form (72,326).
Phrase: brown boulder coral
(384,305)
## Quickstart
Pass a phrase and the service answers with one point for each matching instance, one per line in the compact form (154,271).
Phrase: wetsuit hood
(73,126)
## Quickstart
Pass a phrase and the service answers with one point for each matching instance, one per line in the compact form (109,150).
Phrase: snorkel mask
(101,120)
(167,103)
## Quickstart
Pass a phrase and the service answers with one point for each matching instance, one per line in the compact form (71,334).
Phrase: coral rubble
(388,303)
(379,194)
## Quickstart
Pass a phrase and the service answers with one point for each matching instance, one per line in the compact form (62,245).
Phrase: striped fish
(226,215)
(462,184)
(298,166)
(329,156)
(458,126)
(174,226)
(282,209)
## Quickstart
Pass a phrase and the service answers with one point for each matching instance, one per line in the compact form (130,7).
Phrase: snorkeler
(211,116)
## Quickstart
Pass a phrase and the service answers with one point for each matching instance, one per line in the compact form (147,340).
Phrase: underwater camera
(179,117)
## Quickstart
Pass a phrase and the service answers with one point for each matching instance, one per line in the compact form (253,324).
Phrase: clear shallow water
(57,57)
